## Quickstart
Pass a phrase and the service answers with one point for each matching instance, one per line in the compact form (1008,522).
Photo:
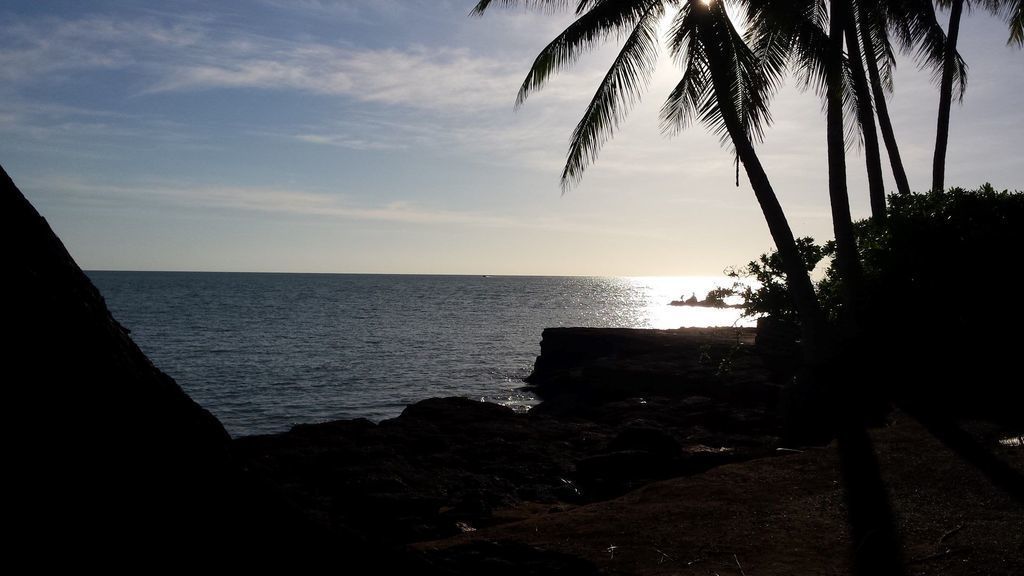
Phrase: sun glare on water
(655,293)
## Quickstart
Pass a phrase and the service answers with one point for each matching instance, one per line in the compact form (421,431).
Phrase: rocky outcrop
(452,465)
(706,303)
(599,364)
(622,408)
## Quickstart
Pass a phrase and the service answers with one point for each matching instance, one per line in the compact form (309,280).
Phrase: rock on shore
(622,408)
(602,364)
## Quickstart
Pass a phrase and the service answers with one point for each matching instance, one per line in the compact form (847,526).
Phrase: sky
(380,136)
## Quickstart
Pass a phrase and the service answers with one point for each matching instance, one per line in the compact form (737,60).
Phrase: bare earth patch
(786,515)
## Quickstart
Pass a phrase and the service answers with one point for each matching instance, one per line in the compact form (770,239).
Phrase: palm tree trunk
(801,290)
(882,110)
(797,279)
(842,221)
(866,118)
(946,97)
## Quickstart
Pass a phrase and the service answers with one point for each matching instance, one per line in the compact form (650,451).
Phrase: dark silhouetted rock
(709,302)
(504,559)
(107,459)
(647,439)
(446,466)
(603,364)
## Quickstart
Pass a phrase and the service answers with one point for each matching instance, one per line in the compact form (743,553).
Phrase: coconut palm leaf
(873,24)
(1015,16)
(541,5)
(621,86)
(702,37)
(587,32)
(694,87)
(618,91)
(918,31)
(791,34)
(1013,12)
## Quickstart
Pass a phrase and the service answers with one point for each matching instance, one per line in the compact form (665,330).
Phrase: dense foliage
(940,254)
(938,311)
(762,282)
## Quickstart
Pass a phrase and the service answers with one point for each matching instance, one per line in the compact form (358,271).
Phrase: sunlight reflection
(652,295)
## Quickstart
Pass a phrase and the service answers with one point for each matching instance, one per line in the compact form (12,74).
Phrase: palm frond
(605,18)
(800,27)
(959,77)
(1012,11)
(853,134)
(873,31)
(688,96)
(729,87)
(542,5)
(772,47)
(1015,18)
(919,33)
(694,87)
(618,91)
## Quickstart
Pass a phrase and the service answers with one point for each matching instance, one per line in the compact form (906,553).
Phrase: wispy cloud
(352,10)
(417,77)
(170,56)
(279,201)
(57,125)
(347,141)
(40,50)
(439,96)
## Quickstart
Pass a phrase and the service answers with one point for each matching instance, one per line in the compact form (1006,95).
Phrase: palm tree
(878,56)
(847,260)
(808,35)
(725,85)
(865,117)
(722,85)
(913,25)
(1013,12)
(946,97)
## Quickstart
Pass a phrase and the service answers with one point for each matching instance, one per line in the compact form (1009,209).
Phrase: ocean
(265,351)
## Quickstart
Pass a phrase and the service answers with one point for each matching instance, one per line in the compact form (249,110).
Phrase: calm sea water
(265,351)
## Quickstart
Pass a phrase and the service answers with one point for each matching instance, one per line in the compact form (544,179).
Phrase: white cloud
(191,56)
(346,141)
(444,98)
(45,49)
(164,53)
(271,200)
(421,78)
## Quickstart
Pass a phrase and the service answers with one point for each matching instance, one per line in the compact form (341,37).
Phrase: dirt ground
(787,515)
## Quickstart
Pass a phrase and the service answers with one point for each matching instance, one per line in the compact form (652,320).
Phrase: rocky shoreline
(653,452)
(621,408)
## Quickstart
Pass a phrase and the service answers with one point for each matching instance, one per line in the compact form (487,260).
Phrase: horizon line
(466,274)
